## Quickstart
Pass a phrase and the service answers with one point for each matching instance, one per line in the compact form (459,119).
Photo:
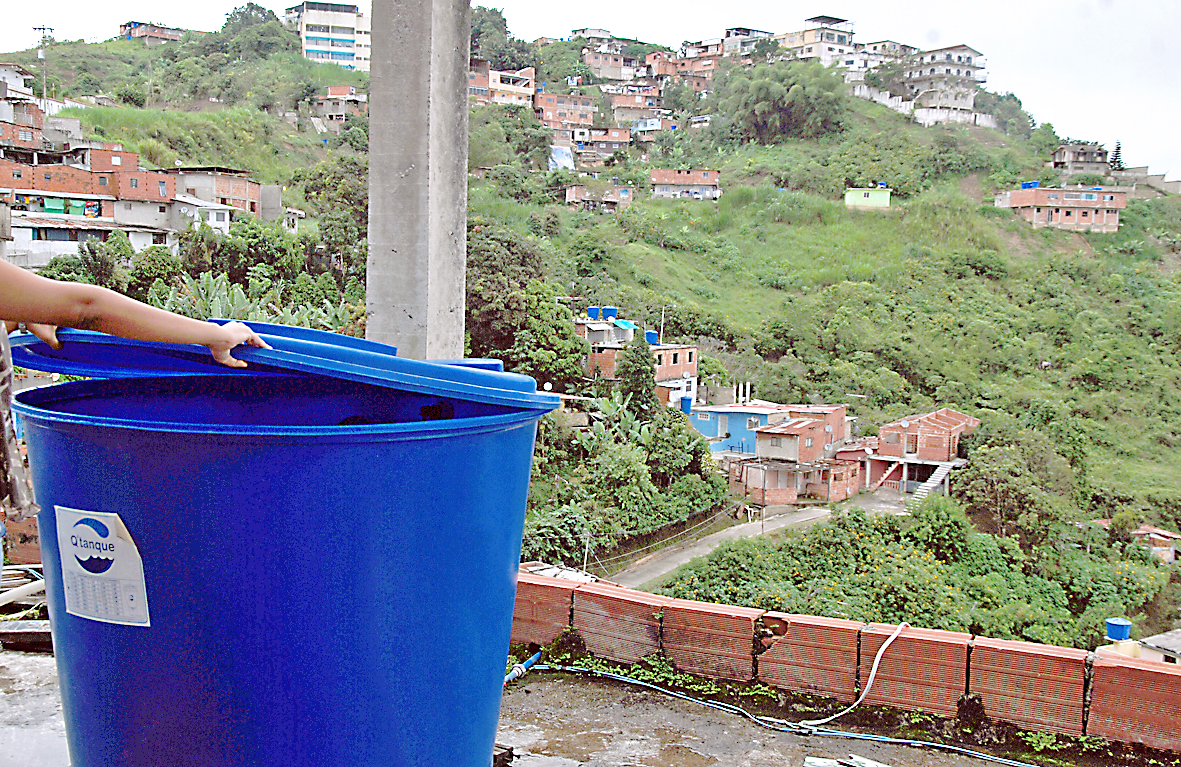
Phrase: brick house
(796,455)
(697,184)
(215,183)
(913,452)
(675,374)
(337,103)
(1096,210)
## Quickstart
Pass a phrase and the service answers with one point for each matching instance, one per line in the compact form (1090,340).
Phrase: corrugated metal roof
(793,426)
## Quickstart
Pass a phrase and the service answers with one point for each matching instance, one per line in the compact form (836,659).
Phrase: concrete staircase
(932,484)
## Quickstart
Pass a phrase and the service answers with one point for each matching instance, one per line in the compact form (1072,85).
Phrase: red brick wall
(1136,701)
(147,188)
(710,639)
(935,445)
(603,361)
(817,655)
(542,610)
(11,132)
(618,623)
(923,669)
(21,542)
(62,178)
(1037,686)
(100,160)
(666,369)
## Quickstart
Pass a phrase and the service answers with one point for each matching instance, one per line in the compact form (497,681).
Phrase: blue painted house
(732,427)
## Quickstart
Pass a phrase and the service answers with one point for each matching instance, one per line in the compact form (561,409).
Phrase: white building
(333,33)
(38,237)
(826,39)
(945,77)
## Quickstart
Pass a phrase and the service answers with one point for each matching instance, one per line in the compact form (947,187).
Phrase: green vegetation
(934,571)
(253,61)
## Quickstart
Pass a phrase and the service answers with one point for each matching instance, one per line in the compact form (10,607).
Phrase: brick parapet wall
(1037,687)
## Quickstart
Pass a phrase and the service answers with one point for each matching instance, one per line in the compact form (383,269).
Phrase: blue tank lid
(294,351)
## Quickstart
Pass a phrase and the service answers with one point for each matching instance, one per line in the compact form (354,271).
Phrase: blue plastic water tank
(592,312)
(652,336)
(610,312)
(686,403)
(283,569)
(1118,629)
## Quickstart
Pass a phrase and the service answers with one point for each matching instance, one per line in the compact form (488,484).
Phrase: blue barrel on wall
(651,336)
(610,312)
(592,312)
(283,569)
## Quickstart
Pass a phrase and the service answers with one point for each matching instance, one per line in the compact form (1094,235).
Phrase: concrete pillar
(418,118)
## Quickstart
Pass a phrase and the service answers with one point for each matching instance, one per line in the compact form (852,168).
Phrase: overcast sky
(1102,70)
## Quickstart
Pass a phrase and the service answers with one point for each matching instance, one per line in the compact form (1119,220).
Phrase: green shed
(873,197)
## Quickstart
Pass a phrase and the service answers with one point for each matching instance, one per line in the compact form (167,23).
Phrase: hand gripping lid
(295,351)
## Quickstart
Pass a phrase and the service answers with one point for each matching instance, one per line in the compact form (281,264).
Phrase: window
(163,208)
(1084,214)
(317,28)
(25,135)
(659,359)
(1039,210)
(16,172)
(1069,213)
(1108,197)
(116,160)
(159,238)
(1053,196)
(808,442)
(676,357)
(126,206)
(865,195)
(134,183)
(102,180)
(163,189)
(705,174)
(220,216)
(690,353)
(776,442)
(47,176)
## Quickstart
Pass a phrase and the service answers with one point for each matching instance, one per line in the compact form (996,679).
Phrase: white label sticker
(101,568)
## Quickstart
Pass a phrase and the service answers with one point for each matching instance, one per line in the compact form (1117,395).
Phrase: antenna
(46,33)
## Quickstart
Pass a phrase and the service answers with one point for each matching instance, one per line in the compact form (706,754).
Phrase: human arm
(26,297)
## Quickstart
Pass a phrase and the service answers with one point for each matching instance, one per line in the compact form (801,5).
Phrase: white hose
(868,683)
(21,591)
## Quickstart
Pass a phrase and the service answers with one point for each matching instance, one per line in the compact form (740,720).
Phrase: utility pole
(46,34)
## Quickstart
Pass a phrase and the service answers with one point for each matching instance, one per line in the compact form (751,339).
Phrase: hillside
(1064,342)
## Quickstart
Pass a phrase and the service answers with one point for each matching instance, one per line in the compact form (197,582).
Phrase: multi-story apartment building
(333,33)
(826,39)
(512,88)
(697,184)
(740,41)
(873,55)
(945,77)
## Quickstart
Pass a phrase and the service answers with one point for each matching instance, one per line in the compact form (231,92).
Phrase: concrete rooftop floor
(549,720)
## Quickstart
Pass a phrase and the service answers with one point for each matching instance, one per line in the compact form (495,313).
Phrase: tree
(636,371)
(1044,139)
(151,264)
(997,482)
(766,49)
(1006,108)
(784,100)
(491,41)
(500,263)
(1117,158)
(547,347)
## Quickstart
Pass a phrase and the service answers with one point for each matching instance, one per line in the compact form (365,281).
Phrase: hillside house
(337,103)
(1096,210)
(871,197)
(609,64)
(609,199)
(736,427)
(675,364)
(564,109)
(796,456)
(151,34)
(696,184)
(826,39)
(913,452)
(1080,157)
(945,78)
(1162,543)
